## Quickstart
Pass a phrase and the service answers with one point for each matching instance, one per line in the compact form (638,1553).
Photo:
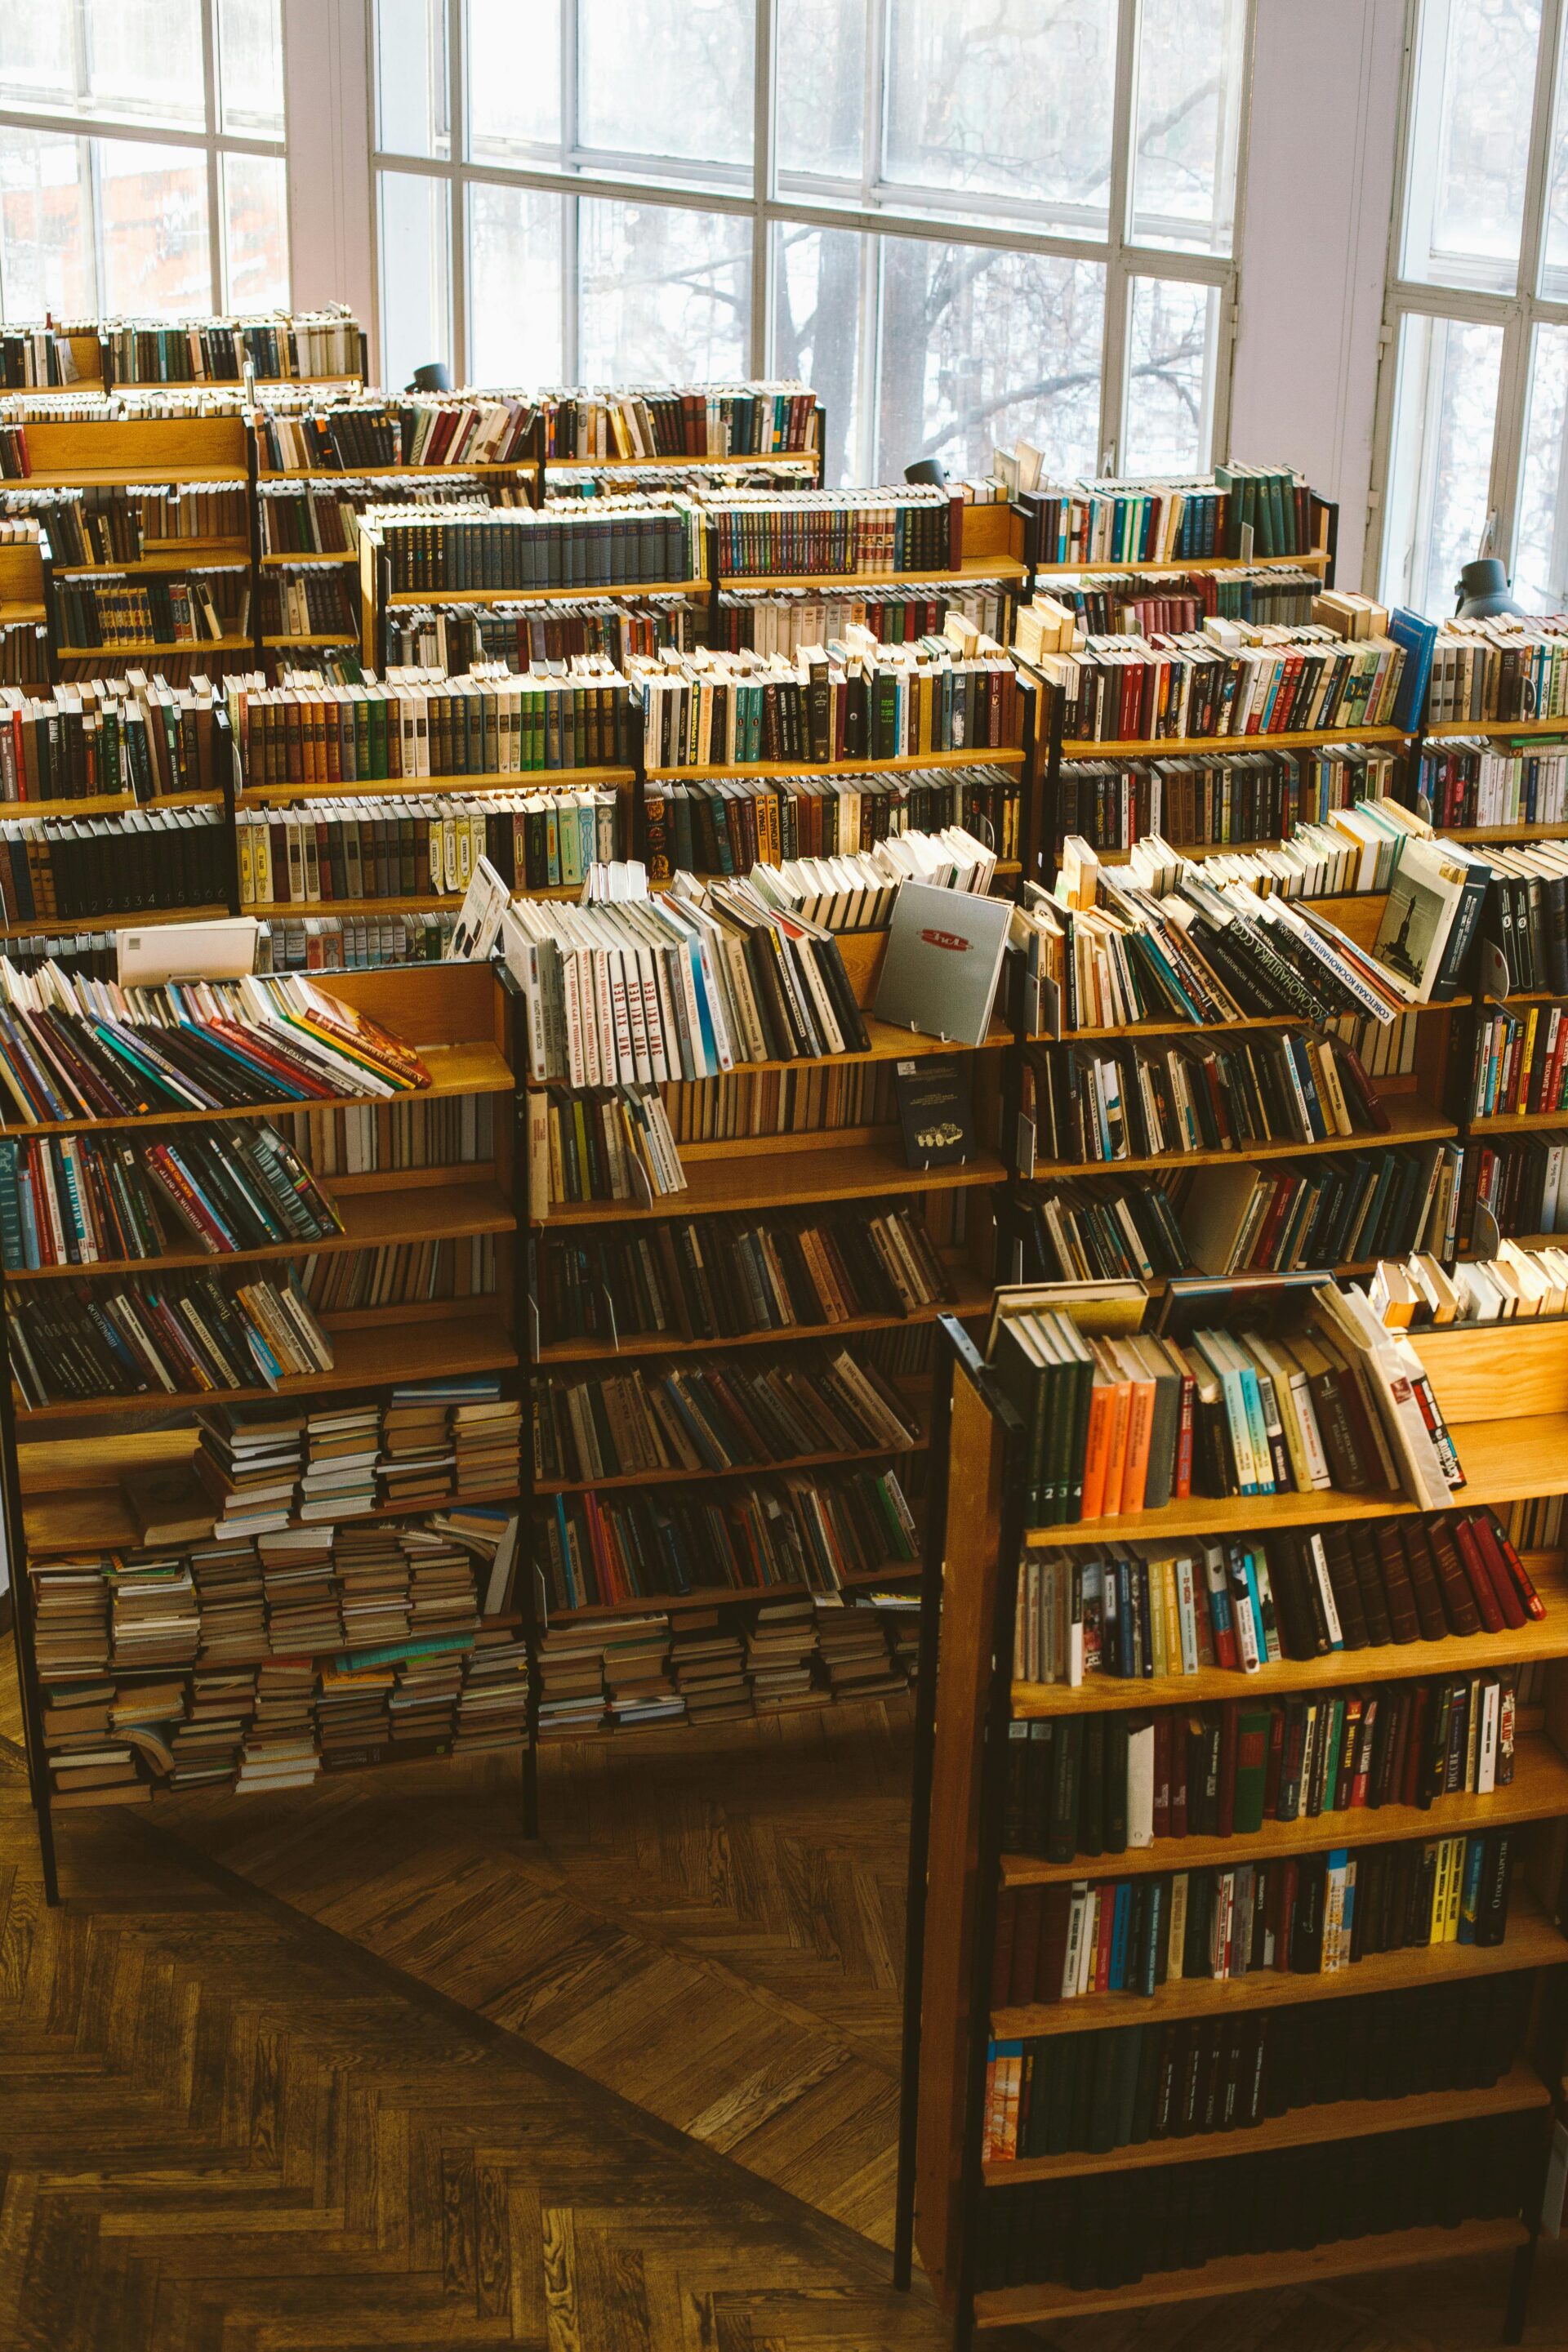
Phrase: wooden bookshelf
(1008,569)
(1171,747)
(1504,1393)
(580,593)
(63,1490)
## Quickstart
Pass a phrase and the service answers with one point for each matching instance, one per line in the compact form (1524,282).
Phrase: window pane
(1019,105)
(144,61)
(821,86)
(683,92)
(666,294)
(980,346)
(415,294)
(37,58)
(512,51)
(255,232)
(1171,342)
(250,67)
(818,275)
(1469,141)
(45,227)
(1188,114)
(1445,409)
(412,107)
(153,216)
(1541,552)
(514,287)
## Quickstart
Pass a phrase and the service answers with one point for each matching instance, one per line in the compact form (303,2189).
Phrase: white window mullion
(457,197)
(763,142)
(1118,276)
(571,243)
(217,226)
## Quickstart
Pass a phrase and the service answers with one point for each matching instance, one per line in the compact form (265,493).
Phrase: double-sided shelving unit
(1505,1396)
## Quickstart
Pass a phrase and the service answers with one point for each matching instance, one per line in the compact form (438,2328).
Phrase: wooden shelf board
(889,1043)
(1521,727)
(1532,1942)
(653,1604)
(1019,2307)
(579,592)
(1165,747)
(349,637)
(474,1066)
(177,555)
(22,613)
(258,795)
(973,567)
(1315,558)
(972,1298)
(1518,2092)
(1390,1661)
(271,560)
(155,471)
(1004,756)
(1518,1122)
(849,1172)
(768,1469)
(1504,1462)
(290,910)
(417,1349)
(132,651)
(48,926)
(1410,1120)
(1178,1028)
(1505,833)
(1539,1787)
(111,805)
(371,1220)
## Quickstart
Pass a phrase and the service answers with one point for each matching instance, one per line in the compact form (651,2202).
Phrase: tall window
(1473,398)
(141,158)
(965,225)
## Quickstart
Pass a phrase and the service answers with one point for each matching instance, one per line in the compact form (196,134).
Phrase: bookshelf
(65,1497)
(1505,1398)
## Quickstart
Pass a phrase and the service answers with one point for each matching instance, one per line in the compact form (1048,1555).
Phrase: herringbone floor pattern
(385,2102)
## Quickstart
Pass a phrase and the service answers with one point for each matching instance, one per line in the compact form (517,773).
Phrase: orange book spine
(1139,1429)
(1097,1447)
(1116,1452)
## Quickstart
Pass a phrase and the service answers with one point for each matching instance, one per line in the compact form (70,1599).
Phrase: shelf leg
(531,1790)
(1518,2291)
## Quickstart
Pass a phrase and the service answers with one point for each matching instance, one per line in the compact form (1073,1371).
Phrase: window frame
(884,209)
(213,142)
(1518,314)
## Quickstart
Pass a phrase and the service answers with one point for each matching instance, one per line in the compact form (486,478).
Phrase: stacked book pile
(637,1687)
(154,1617)
(492,1704)
(855,1656)
(781,1644)
(707,1667)
(279,1748)
(304,1614)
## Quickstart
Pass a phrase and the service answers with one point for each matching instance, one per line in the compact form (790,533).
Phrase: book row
(1526,913)
(161,610)
(1493,670)
(810,1533)
(308,343)
(106,524)
(614,1144)
(430,727)
(1137,689)
(1108,1784)
(1517,1063)
(1341,1402)
(730,824)
(74,1200)
(1167,602)
(74,1048)
(362,432)
(1108,2232)
(1162,522)
(716,1416)
(1278,1219)
(107,736)
(134,1338)
(433,548)
(1521,1180)
(1137,1612)
(71,869)
(1133,2086)
(316,601)
(1203,800)
(1294,1915)
(1477,782)
(686,421)
(1516,1282)
(387,847)
(788,620)
(761,532)
(867,702)
(528,637)
(727,1277)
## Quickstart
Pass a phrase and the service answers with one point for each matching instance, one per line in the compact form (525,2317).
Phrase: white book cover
(944,962)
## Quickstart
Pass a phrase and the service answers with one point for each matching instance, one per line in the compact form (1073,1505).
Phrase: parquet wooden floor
(361,2068)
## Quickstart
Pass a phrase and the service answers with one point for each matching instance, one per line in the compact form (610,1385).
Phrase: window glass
(980,346)
(1000,102)
(1540,547)
(250,67)
(512,60)
(1446,392)
(416,286)
(413,112)
(255,232)
(818,275)
(514,287)
(666,293)
(153,228)
(45,227)
(682,95)
(1187,121)
(821,87)
(1171,347)
(1468,144)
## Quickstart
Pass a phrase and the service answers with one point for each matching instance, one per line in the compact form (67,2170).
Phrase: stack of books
(781,1645)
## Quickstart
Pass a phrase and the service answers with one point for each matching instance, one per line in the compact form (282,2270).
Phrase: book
(943,963)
